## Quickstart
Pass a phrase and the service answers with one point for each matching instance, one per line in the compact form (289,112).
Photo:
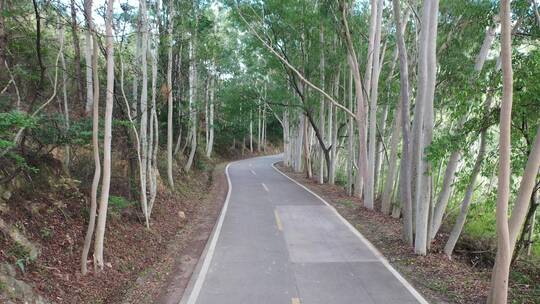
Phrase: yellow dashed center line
(279,226)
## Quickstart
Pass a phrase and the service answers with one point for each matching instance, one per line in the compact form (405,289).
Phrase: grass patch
(347,203)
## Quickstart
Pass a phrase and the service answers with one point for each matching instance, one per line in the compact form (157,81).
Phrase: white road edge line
(382,259)
(212,247)
(265,188)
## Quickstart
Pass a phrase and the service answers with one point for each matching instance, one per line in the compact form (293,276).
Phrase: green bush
(118,203)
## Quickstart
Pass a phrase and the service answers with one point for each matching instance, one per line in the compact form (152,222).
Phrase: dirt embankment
(460,280)
(139,262)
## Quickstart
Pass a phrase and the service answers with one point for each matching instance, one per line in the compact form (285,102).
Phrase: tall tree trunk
(405,167)
(307,149)
(360,115)
(88,56)
(373,85)
(105,185)
(499,278)
(211,109)
(423,122)
(386,202)
(179,138)
(153,140)
(322,103)
(451,167)
(192,97)
(332,130)
(444,194)
(93,93)
(350,140)
(286,139)
(379,152)
(67,150)
(170,97)
(259,134)
(143,133)
(460,221)
(251,133)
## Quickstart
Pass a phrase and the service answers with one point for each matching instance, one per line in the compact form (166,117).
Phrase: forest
(427,112)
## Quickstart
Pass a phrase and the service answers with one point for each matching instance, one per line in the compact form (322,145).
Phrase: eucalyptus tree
(92,86)
(193,87)
(170,96)
(106,181)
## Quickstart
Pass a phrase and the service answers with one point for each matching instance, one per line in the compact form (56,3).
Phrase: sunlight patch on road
(278,223)
(295,301)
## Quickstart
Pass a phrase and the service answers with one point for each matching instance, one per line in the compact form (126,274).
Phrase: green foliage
(21,256)
(118,203)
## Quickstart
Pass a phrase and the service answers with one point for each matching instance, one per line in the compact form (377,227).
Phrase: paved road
(277,243)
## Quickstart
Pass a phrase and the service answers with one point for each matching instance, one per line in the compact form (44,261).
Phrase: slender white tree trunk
(501,269)
(192,99)
(460,221)
(360,114)
(332,131)
(93,94)
(143,132)
(286,138)
(251,133)
(211,106)
(376,8)
(105,186)
(322,104)
(154,131)
(386,202)
(350,140)
(88,57)
(259,134)
(179,138)
(61,35)
(444,194)
(405,166)
(379,152)
(423,127)
(170,97)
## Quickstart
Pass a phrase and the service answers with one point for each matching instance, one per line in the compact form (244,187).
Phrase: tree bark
(360,106)
(499,278)
(405,167)
(67,150)
(322,102)
(210,146)
(460,221)
(373,84)
(423,123)
(143,132)
(94,94)
(386,201)
(192,97)
(170,98)
(105,186)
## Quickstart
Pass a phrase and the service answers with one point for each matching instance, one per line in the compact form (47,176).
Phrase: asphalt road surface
(277,243)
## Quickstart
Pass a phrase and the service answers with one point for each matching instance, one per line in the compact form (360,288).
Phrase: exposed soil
(139,262)
(440,280)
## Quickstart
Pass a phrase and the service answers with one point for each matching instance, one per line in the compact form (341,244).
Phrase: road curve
(276,242)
